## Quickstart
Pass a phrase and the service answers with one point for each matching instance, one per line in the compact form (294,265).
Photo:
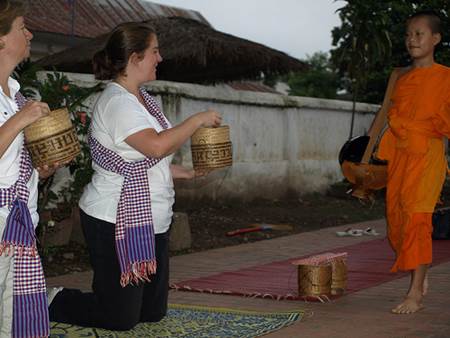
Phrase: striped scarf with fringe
(134,233)
(30,308)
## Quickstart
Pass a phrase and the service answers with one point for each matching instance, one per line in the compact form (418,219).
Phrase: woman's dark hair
(434,21)
(9,11)
(124,40)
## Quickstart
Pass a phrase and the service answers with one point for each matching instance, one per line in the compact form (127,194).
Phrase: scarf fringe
(12,249)
(139,272)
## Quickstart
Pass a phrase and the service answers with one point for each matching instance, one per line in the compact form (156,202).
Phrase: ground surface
(210,222)
(361,314)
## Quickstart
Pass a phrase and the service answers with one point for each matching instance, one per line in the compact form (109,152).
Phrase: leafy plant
(369,21)
(57,91)
(81,168)
(364,41)
(319,80)
(25,73)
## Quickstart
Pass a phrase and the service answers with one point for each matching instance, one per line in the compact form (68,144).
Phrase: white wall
(280,143)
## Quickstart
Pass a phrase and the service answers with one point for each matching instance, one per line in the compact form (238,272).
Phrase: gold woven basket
(52,139)
(314,280)
(211,148)
(339,276)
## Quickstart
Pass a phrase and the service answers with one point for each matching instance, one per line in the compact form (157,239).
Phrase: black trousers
(111,306)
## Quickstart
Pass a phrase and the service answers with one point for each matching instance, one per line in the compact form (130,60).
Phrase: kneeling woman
(126,209)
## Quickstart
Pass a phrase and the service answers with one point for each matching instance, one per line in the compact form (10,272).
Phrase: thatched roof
(192,52)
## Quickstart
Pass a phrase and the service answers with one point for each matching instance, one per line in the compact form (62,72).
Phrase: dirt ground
(209,223)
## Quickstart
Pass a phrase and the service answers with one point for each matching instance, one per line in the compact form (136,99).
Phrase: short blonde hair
(9,11)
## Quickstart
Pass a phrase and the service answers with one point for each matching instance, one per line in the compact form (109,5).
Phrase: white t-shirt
(117,115)
(10,161)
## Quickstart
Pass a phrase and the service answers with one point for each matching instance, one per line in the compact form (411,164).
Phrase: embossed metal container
(52,139)
(211,148)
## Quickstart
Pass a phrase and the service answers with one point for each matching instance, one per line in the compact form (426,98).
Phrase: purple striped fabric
(153,108)
(134,234)
(30,309)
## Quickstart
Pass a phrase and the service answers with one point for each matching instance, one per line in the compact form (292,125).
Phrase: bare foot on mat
(409,305)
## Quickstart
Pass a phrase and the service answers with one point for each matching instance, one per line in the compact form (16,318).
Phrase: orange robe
(419,119)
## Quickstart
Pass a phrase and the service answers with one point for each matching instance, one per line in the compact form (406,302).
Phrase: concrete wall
(280,143)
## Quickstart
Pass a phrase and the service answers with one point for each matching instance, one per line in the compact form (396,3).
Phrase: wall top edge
(225,94)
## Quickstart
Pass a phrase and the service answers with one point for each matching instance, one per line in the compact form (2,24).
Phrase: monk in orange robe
(413,145)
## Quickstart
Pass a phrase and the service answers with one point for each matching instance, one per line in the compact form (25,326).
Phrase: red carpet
(368,265)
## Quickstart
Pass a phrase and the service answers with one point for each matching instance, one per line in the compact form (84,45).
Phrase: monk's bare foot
(425,285)
(411,304)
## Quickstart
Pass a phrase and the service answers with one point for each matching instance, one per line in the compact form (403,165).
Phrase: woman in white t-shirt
(126,210)
(24,304)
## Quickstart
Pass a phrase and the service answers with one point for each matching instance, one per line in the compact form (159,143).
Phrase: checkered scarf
(30,309)
(134,233)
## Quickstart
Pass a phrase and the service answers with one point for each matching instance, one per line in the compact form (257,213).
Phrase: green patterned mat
(192,322)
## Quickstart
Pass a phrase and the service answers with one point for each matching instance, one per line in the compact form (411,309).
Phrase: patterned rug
(192,322)
(368,266)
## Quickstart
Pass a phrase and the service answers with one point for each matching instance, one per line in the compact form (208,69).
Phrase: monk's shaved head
(434,21)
